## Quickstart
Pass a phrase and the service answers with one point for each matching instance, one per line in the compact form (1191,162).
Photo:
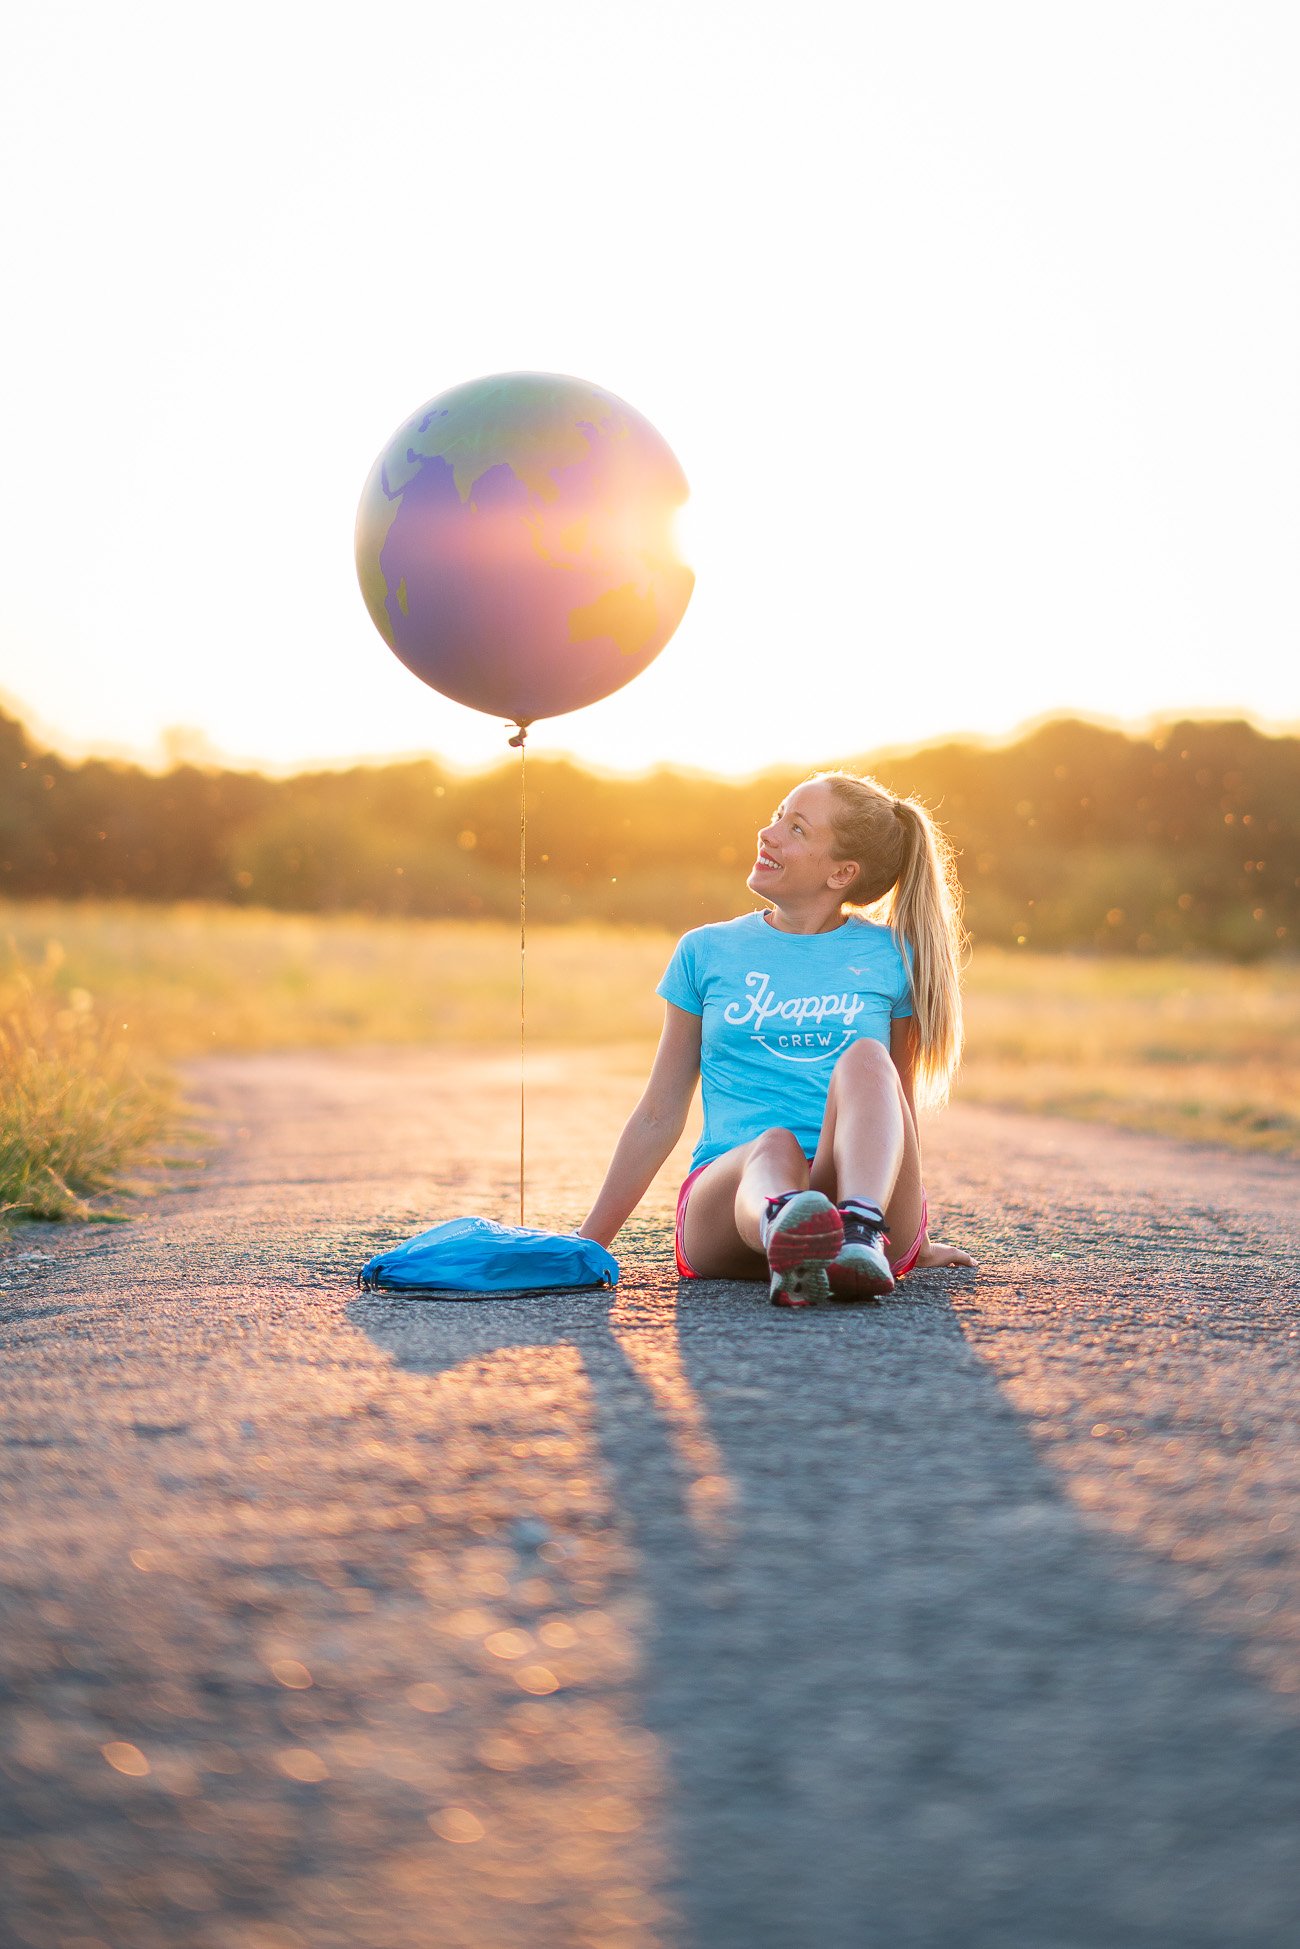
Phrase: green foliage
(1075,836)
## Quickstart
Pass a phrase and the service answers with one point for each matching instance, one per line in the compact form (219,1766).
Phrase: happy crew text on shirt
(797,1043)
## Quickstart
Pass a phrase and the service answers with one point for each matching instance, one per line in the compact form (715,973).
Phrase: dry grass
(187,980)
(97,999)
(97,995)
(79,1117)
(1205,1050)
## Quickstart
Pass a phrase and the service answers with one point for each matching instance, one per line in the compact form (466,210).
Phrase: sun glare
(684,533)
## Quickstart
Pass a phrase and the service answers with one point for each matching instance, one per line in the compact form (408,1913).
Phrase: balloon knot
(517,743)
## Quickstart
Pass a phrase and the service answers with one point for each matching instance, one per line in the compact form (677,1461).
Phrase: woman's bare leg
(721,1230)
(869,1147)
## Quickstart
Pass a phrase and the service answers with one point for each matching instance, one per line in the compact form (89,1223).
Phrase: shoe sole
(851,1278)
(801,1285)
(806,1237)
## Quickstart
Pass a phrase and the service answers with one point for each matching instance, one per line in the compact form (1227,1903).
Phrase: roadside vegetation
(81,1115)
(1184,839)
(98,1000)
(1203,1050)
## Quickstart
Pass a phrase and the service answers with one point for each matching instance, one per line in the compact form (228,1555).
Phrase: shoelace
(863,1225)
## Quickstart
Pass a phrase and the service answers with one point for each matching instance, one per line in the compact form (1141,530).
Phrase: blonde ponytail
(908,880)
(924,909)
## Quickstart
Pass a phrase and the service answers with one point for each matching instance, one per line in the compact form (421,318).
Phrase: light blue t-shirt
(777,1011)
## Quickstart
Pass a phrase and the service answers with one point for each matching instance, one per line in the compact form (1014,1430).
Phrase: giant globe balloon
(514,544)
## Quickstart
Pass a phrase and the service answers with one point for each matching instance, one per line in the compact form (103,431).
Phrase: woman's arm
(652,1129)
(902,1047)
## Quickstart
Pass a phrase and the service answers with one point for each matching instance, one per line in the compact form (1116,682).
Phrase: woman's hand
(935,1253)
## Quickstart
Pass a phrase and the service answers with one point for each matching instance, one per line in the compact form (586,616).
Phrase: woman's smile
(798,843)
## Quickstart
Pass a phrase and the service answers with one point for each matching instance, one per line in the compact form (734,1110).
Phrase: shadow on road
(905,1697)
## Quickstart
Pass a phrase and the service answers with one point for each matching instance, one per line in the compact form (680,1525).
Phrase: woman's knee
(779,1145)
(863,1059)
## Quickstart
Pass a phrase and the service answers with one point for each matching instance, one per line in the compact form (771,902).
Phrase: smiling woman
(810,1025)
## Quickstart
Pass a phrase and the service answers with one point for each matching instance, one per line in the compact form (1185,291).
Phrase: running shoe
(801,1232)
(860,1269)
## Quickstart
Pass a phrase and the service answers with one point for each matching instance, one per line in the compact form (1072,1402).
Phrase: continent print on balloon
(515,546)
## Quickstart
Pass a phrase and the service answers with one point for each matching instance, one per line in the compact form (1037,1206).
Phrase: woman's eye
(798,828)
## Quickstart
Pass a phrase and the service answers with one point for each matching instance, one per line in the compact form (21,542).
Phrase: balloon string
(519,742)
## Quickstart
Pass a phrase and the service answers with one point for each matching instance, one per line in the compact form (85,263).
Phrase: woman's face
(797,856)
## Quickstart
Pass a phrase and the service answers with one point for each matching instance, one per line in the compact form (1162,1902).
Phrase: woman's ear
(844,875)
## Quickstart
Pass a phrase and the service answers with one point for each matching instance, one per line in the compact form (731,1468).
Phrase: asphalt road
(328,1619)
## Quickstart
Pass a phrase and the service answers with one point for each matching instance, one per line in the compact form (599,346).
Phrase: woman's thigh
(711,1242)
(905,1211)
(905,1206)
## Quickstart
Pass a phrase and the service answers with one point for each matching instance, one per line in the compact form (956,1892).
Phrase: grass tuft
(79,1114)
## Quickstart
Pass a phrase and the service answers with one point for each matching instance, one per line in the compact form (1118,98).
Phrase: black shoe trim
(864,1224)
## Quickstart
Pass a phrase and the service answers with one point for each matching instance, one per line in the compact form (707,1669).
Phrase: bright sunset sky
(975,327)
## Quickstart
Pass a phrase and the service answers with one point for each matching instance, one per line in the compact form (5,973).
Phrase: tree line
(1186,838)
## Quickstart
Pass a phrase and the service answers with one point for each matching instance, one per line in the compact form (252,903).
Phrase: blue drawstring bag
(476,1255)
